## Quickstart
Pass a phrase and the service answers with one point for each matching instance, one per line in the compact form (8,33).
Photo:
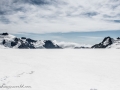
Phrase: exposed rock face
(26,46)
(106,42)
(30,40)
(49,44)
(3,42)
(4,34)
(118,38)
(13,44)
(23,37)
(16,39)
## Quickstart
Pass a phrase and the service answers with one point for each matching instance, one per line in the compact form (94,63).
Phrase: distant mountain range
(11,41)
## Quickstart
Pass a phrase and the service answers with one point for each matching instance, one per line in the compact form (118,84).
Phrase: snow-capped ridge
(11,41)
(108,42)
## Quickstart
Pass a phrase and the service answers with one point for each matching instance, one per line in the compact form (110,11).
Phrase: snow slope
(115,45)
(60,69)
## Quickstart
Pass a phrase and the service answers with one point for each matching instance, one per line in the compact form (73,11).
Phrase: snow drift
(60,69)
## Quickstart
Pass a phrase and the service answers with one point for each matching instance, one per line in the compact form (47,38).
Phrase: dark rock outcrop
(30,40)
(118,38)
(4,34)
(3,42)
(13,44)
(49,44)
(26,46)
(23,37)
(16,39)
(106,42)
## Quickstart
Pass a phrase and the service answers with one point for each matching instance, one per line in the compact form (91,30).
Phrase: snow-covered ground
(60,69)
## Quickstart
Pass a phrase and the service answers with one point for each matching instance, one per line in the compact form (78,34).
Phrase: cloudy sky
(57,19)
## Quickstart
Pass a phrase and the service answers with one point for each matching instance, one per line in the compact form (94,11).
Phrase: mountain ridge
(11,41)
(108,42)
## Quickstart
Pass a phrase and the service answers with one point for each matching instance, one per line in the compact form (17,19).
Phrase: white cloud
(60,16)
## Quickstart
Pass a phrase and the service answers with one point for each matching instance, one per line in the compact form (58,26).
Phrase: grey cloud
(90,14)
(60,15)
(2,12)
(111,16)
(28,7)
(22,17)
(4,20)
(116,21)
(11,6)
(108,16)
(35,2)
(83,14)
(114,0)
(7,8)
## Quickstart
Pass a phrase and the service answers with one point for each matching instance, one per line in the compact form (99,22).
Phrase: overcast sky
(59,16)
